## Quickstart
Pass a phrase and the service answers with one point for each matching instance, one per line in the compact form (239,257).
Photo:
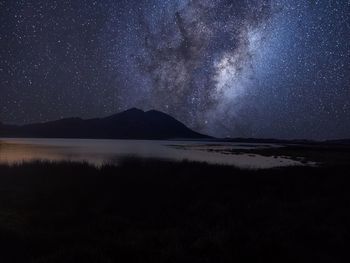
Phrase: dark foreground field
(159,211)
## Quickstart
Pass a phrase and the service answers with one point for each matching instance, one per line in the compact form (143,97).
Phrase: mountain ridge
(130,124)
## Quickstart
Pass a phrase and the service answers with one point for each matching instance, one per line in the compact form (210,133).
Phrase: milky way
(249,68)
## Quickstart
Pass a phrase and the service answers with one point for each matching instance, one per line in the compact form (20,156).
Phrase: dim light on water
(99,152)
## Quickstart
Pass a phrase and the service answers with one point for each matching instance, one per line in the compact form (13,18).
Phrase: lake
(99,152)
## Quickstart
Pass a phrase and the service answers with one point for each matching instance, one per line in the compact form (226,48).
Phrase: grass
(163,211)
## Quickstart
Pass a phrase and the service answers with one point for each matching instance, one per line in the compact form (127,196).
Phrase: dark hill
(130,124)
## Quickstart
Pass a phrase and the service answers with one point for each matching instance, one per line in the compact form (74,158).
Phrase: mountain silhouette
(130,124)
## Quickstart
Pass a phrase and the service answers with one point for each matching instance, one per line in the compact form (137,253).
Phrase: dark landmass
(130,124)
(133,124)
(161,211)
(281,141)
(344,141)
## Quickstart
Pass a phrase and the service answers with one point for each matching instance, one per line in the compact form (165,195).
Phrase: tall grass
(163,211)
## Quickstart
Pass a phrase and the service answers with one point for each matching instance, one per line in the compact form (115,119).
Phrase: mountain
(130,124)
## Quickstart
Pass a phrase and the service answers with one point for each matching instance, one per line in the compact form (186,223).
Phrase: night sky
(248,68)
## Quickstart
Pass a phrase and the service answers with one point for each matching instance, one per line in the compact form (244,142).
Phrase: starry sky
(239,68)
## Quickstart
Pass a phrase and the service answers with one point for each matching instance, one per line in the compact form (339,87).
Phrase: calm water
(98,152)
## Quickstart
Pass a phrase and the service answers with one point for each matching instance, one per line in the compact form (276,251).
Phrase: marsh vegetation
(148,210)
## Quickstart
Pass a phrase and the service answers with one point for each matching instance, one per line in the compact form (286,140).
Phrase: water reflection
(98,152)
